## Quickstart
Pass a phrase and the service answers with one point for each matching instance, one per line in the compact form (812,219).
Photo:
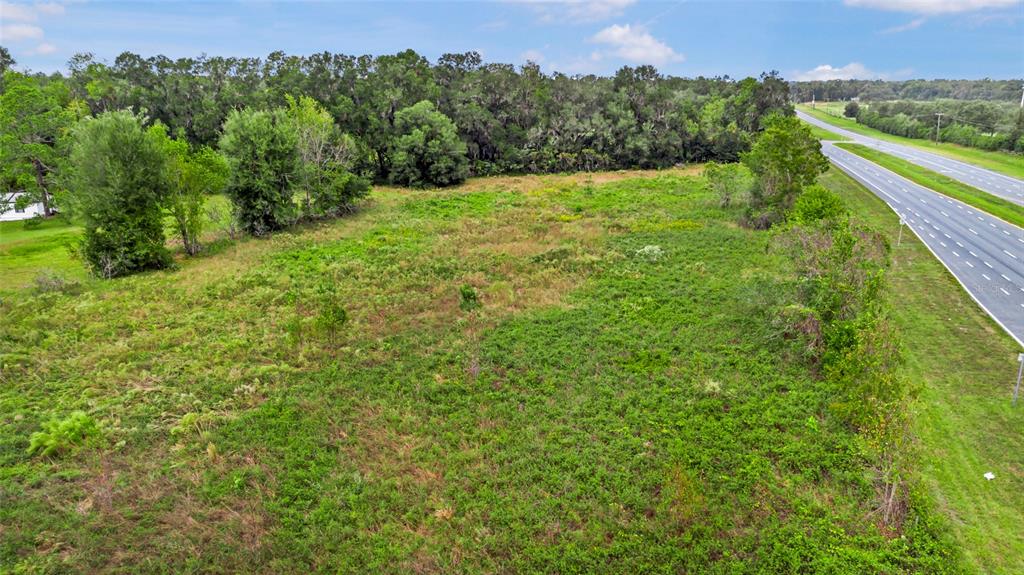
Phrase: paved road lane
(984,253)
(994,183)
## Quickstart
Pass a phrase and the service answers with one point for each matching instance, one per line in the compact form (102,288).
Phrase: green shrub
(61,435)
(332,317)
(730,182)
(261,151)
(428,150)
(327,157)
(338,194)
(33,223)
(119,183)
(785,158)
(815,204)
(468,299)
(194,175)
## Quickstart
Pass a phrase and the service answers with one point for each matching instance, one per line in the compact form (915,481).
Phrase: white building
(10,213)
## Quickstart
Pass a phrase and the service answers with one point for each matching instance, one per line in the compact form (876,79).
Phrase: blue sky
(889,39)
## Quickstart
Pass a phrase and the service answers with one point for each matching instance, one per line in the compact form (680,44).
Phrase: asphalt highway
(994,183)
(984,253)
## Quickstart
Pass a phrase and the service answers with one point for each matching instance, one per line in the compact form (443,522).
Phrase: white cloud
(635,43)
(577,11)
(17,12)
(912,25)
(24,28)
(851,71)
(17,32)
(44,49)
(932,6)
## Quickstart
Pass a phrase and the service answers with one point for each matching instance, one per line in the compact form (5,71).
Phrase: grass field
(27,253)
(984,201)
(1003,162)
(965,366)
(832,108)
(538,374)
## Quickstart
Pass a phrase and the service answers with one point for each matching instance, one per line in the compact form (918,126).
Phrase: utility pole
(938,121)
(1022,96)
(903,222)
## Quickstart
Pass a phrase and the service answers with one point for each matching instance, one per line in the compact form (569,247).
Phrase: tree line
(879,90)
(300,137)
(974,123)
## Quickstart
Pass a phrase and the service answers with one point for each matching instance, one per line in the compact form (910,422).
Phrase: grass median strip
(942,184)
(823,134)
(1009,164)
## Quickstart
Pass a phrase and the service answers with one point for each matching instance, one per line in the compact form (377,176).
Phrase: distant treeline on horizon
(881,90)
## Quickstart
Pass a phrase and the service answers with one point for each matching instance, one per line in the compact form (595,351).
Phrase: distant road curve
(994,183)
(984,253)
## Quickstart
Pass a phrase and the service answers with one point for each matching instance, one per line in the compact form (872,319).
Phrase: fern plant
(60,435)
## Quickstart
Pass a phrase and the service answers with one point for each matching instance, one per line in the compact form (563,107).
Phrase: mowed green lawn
(30,252)
(1002,162)
(557,374)
(26,253)
(964,365)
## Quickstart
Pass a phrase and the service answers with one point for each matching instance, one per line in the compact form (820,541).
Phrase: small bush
(468,299)
(730,182)
(33,223)
(816,204)
(332,317)
(48,281)
(338,194)
(61,435)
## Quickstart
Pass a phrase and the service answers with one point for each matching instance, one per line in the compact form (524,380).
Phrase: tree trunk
(41,182)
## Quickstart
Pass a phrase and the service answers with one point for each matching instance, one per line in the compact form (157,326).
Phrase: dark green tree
(785,158)
(427,150)
(119,182)
(261,151)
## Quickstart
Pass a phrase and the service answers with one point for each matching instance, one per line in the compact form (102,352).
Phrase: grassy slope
(1009,164)
(965,366)
(984,201)
(602,411)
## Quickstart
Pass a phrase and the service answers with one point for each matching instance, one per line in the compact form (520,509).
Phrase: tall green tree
(785,158)
(427,151)
(34,119)
(119,183)
(261,150)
